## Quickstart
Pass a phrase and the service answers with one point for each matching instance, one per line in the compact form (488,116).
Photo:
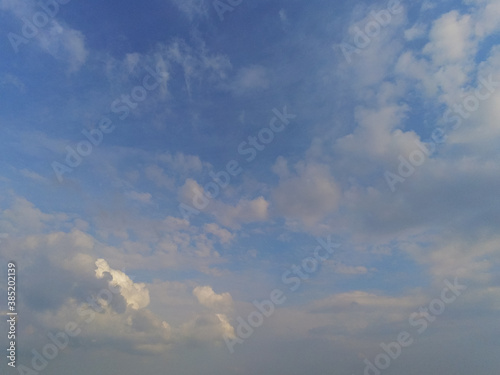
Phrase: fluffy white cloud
(245,211)
(377,138)
(136,294)
(487,16)
(215,325)
(451,39)
(217,302)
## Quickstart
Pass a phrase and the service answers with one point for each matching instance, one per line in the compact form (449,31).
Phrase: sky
(235,187)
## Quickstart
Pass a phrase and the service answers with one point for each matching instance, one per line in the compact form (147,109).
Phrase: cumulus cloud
(136,294)
(226,327)
(450,39)
(377,138)
(108,307)
(208,298)
(245,211)
(213,325)
(487,17)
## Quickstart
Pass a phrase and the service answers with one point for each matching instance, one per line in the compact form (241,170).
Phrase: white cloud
(24,218)
(223,234)
(216,302)
(227,328)
(245,211)
(378,136)
(451,39)
(448,256)
(488,17)
(136,294)
(189,191)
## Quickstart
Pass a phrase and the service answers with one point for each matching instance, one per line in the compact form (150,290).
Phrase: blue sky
(368,125)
